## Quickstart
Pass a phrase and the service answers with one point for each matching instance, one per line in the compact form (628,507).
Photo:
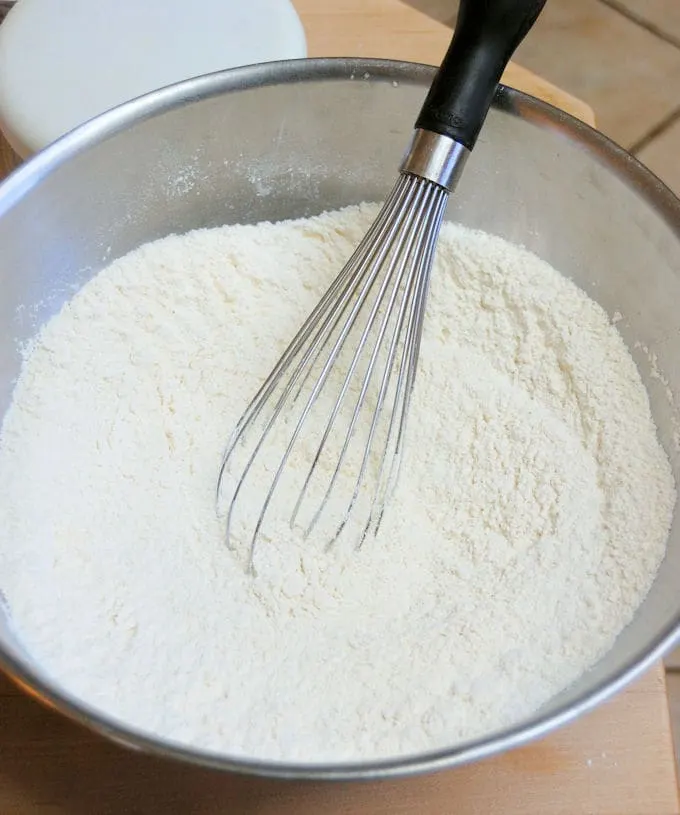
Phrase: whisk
(347,377)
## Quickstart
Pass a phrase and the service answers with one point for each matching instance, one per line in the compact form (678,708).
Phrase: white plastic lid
(64,61)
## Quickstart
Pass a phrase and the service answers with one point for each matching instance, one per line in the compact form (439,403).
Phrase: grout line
(668,120)
(634,17)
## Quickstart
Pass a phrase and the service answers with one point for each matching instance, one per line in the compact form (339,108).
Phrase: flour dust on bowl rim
(292,139)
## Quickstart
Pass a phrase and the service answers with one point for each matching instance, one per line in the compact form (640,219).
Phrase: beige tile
(662,156)
(673,686)
(661,14)
(630,77)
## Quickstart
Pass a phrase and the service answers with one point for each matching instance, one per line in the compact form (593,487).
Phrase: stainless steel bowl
(295,138)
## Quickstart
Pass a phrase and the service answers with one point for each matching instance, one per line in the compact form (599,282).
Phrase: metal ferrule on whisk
(435,157)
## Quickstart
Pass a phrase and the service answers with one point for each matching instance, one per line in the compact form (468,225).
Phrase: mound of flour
(529,522)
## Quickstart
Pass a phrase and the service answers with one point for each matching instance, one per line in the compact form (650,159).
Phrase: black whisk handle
(486,36)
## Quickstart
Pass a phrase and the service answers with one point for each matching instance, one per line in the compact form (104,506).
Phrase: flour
(528,525)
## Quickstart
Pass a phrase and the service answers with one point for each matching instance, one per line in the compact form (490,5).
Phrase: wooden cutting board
(618,760)
(615,761)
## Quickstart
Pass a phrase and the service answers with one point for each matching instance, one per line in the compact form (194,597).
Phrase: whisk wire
(321,323)
(372,271)
(329,310)
(370,263)
(314,320)
(414,300)
(395,259)
(403,252)
(395,256)
(407,369)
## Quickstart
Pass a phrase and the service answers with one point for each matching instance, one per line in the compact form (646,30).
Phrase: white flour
(529,523)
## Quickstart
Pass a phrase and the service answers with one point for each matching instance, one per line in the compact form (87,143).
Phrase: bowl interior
(234,148)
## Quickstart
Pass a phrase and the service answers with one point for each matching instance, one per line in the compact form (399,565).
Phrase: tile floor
(623,58)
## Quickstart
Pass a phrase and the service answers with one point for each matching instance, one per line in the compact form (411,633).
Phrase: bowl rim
(626,167)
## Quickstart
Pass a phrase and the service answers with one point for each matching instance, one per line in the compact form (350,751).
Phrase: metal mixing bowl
(293,139)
